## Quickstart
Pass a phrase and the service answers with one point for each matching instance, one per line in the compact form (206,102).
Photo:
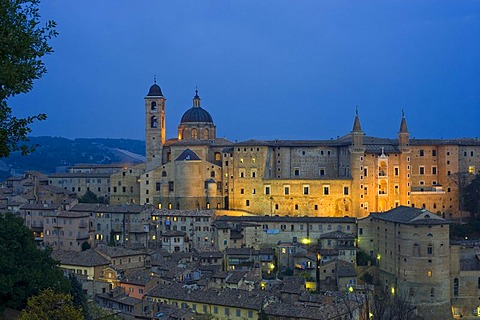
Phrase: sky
(270,69)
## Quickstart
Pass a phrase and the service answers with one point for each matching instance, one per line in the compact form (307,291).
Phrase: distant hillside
(54,152)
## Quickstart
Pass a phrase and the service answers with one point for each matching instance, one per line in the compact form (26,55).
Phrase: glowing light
(306,241)
(379,257)
(350,289)
(393,290)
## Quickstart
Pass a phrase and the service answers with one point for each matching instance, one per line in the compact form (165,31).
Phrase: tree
(85,245)
(49,305)
(24,42)
(88,197)
(79,298)
(471,197)
(461,180)
(25,269)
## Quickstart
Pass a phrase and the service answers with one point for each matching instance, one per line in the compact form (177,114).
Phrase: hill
(55,153)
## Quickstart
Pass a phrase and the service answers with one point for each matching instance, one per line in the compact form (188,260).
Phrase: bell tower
(154,124)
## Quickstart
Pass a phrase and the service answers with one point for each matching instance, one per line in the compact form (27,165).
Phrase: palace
(352,175)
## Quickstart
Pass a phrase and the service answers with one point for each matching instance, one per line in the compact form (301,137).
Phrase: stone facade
(411,248)
(348,176)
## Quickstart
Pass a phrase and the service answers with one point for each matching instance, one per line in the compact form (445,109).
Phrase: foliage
(471,197)
(85,245)
(367,278)
(392,307)
(111,241)
(24,42)
(79,298)
(363,258)
(461,180)
(88,197)
(49,305)
(26,270)
(465,231)
(96,313)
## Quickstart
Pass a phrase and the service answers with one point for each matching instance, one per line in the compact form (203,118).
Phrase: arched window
(153,122)
(212,174)
(164,173)
(154,106)
(194,134)
(218,156)
(205,134)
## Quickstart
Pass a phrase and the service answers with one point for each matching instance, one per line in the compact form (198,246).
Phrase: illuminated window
(326,190)
(306,190)
(429,273)
(471,169)
(194,134)
(267,189)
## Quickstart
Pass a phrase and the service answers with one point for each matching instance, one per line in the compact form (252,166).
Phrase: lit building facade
(348,176)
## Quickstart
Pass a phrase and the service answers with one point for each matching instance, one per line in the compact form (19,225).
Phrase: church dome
(155,91)
(196,114)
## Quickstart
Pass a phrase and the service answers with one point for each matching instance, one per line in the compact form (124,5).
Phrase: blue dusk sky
(270,69)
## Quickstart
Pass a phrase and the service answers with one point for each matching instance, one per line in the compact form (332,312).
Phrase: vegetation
(49,305)
(26,270)
(24,43)
(85,245)
(471,197)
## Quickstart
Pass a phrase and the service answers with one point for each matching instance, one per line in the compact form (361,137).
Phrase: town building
(412,253)
(348,176)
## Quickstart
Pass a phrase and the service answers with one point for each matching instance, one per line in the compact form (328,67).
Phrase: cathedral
(352,175)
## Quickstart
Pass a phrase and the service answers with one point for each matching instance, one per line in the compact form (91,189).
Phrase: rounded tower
(154,123)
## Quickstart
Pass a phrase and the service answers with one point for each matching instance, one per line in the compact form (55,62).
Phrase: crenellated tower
(154,124)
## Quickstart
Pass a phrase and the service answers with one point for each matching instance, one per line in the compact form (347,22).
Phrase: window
(322,172)
(434,170)
(242,173)
(296,172)
(306,190)
(254,173)
(286,190)
(434,153)
(430,249)
(326,190)
(455,287)
(471,169)
(242,191)
(421,170)
(267,189)
(247,203)
(345,191)
(170,186)
(157,187)
(421,153)
(194,134)
(396,171)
